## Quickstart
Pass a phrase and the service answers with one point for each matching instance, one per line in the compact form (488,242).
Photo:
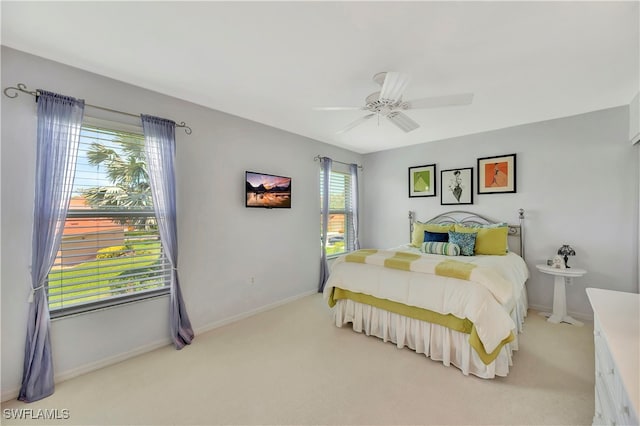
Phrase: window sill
(104,305)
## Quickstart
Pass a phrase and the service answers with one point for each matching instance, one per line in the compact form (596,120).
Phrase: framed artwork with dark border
(456,186)
(497,175)
(422,181)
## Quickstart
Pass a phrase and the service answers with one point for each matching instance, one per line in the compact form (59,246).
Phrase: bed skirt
(434,341)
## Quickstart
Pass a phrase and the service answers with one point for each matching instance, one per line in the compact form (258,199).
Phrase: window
(339,232)
(111,250)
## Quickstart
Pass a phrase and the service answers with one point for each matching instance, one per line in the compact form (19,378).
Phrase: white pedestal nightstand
(562,277)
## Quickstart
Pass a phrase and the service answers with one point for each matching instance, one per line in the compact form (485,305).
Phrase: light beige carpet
(292,365)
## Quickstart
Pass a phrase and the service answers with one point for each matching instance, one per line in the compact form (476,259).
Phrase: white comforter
(463,299)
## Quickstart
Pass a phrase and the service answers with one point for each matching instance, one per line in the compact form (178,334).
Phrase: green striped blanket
(499,287)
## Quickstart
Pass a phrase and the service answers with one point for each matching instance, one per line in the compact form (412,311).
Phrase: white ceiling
(272,62)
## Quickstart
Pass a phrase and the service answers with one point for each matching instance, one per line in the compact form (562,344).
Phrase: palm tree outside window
(111,250)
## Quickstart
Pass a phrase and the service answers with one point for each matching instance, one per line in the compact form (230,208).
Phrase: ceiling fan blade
(355,123)
(441,101)
(394,85)
(402,121)
(338,108)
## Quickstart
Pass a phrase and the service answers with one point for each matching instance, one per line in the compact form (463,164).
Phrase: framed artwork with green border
(422,181)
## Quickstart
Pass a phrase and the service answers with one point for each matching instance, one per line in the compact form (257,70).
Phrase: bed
(463,310)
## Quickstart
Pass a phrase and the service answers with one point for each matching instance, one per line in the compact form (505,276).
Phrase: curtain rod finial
(21,87)
(6,92)
(187,129)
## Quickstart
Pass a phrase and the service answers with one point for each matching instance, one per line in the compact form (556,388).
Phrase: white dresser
(616,331)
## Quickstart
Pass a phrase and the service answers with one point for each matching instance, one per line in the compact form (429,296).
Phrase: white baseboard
(577,315)
(92,366)
(10,394)
(217,324)
(86,368)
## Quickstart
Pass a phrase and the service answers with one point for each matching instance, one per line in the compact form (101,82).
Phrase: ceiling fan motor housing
(383,106)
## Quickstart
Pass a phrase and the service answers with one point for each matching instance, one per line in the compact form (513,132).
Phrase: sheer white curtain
(160,147)
(353,217)
(59,124)
(325,164)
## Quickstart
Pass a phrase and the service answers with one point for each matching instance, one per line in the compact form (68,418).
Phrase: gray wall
(572,173)
(222,243)
(577,179)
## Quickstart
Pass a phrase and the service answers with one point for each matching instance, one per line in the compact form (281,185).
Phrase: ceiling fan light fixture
(372,98)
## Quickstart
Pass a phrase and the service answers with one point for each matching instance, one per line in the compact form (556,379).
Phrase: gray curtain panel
(160,148)
(353,168)
(59,124)
(325,164)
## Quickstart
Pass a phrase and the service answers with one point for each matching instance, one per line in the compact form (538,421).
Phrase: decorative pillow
(417,237)
(448,249)
(466,241)
(439,237)
(492,241)
(489,239)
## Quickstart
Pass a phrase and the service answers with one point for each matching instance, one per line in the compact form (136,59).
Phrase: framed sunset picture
(267,191)
(497,175)
(422,181)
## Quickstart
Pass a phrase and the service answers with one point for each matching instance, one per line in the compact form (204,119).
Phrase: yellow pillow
(488,240)
(417,238)
(465,229)
(492,240)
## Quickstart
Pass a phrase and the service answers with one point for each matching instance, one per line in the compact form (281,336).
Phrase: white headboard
(462,217)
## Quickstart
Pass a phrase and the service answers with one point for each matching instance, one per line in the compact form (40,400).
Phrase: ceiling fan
(388,102)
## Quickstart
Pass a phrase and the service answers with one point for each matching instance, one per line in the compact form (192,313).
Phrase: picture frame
(422,181)
(456,186)
(497,175)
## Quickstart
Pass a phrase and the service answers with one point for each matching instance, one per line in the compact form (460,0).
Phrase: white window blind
(339,232)
(111,251)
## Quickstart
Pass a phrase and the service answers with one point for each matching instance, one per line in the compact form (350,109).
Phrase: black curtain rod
(21,87)
(319,158)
